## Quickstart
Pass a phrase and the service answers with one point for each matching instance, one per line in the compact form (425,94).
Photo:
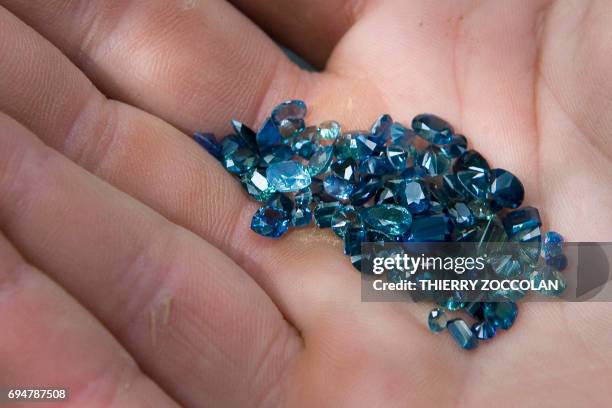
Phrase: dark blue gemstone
(318,191)
(353,238)
(345,169)
(344,218)
(270,222)
(471,160)
(324,213)
(475,183)
(288,176)
(275,154)
(462,334)
(389,219)
(377,236)
(412,196)
(526,218)
(433,129)
(303,198)
(386,196)
(397,156)
(558,262)
(301,216)
(337,187)
(366,147)
(402,136)
(455,148)
(280,201)
(209,143)
(475,309)
(381,129)
(413,173)
(501,314)
(434,161)
(245,134)
(506,189)
(553,244)
(375,166)
(268,135)
(431,228)
(288,117)
(484,330)
(365,190)
(237,157)
(462,215)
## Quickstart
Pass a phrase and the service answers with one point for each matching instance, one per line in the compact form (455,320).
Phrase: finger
(310,28)
(189,62)
(194,321)
(49,341)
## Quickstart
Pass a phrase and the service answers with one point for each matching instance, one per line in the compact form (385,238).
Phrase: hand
(128,270)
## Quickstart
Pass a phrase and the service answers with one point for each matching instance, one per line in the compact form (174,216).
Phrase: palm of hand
(216,316)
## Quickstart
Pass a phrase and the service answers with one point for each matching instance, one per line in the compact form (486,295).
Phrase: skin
(128,272)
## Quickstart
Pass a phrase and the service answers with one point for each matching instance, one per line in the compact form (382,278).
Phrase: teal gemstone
(389,219)
(461,215)
(434,162)
(337,187)
(471,160)
(303,144)
(320,160)
(397,156)
(553,244)
(492,238)
(346,146)
(256,184)
(344,218)
(270,222)
(506,189)
(437,320)
(288,176)
(431,228)
(475,183)
(288,117)
(329,130)
(280,201)
(530,245)
(275,154)
(324,213)
(353,238)
(268,135)
(375,166)
(505,266)
(462,334)
(401,135)
(303,198)
(483,330)
(412,195)
(366,146)
(526,218)
(501,314)
(301,216)
(432,128)
(238,158)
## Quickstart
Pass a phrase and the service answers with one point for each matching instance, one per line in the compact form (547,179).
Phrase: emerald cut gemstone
(209,143)
(483,330)
(462,334)
(344,218)
(506,189)
(434,161)
(268,135)
(288,117)
(270,222)
(389,219)
(256,184)
(329,130)
(437,320)
(288,176)
(324,213)
(433,129)
(320,160)
(501,314)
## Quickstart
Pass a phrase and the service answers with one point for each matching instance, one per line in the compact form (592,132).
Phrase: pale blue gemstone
(389,219)
(288,176)
(437,320)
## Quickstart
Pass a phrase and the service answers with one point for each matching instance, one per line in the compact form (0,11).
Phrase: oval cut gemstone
(288,176)
(432,128)
(462,334)
(471,160)
(268,135)
(288,117)
(338,187)
(320,160)
(389,219)
(329,130)
(412,196)
(506,189)
(256,184)
(437,320)
(344,218)
(501,314)
(209,143)
(270,222)
(434,161)
(484,330)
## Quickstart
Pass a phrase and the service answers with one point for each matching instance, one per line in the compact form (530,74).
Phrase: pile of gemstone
(392,184)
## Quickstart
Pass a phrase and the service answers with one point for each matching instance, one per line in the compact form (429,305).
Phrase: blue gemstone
(387,196)
(530,245)
(329,130)
(345,169)
(366,147)
(209,143)
(433,129)
(434,161)
(462,334)
(344,218)
(413,173)
(301,216)
(256,184)
(475,309)
(471,160)
(268,135)
(280,201)
(431,228)
(483,330)
(462,215)
(237,157)
(412,195)
(475,183)
(320,160)
(338,187)
(353,238)
(381,129)
(558,262)
(275,154)
(505,266)
(402,136)
(318,192)
(270,222)
(288,117)
(437,320)
(245,134)
(553,244)
(397,156)
(303,198)
(526,218)
(501,314)
(365,190)
(375,166)
(346,146)
(303,144)
(288,176)
(506,189)
(389,219)
(455,148)
(324,213)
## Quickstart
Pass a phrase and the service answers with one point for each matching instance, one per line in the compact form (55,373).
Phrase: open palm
(128,272)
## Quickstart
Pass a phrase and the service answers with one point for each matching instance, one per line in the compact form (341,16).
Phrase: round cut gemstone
(270,222)
(501,314)
(288,176)
(437,320)
(329,130)
(433,129)
(288,117)
(412,196)
(462,334)
(484,330)
(389,219)
(320,160)
(344,218)
(506,189)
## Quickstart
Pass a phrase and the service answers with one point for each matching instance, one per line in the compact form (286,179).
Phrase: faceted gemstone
(466,234)
(474,182)
(434,161)
(381,129)
(303,198)
(437,320)
(553,244)
(455,148)
(245,134)
(471,160)
(431,228)
(346,146)
(270,222)
(397,156)
(526,218)
(475,309)
(462,215)
(547,276)
(413,173)
(492,238)
(412,196)
(365,190)
(366,147)
(452,304)
(356,261)
(320,160)
(275,154)
(501,314)
(237,157)
(304,143)
(462,334)
(344,218)
(256,184)
(377,236)
(353,238)
(318,192)
(375,166)
(433,129)
(506,189)
(324,213)
(288,176)
(481,210)
(483,330)
(209,143)
(280,201)
(301,216)
(268,135)
(345,169)
(386,196)
(558,262)
(329,130)
(289,117)
(505,266)
(530,244)
(389,219)
(338,187)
